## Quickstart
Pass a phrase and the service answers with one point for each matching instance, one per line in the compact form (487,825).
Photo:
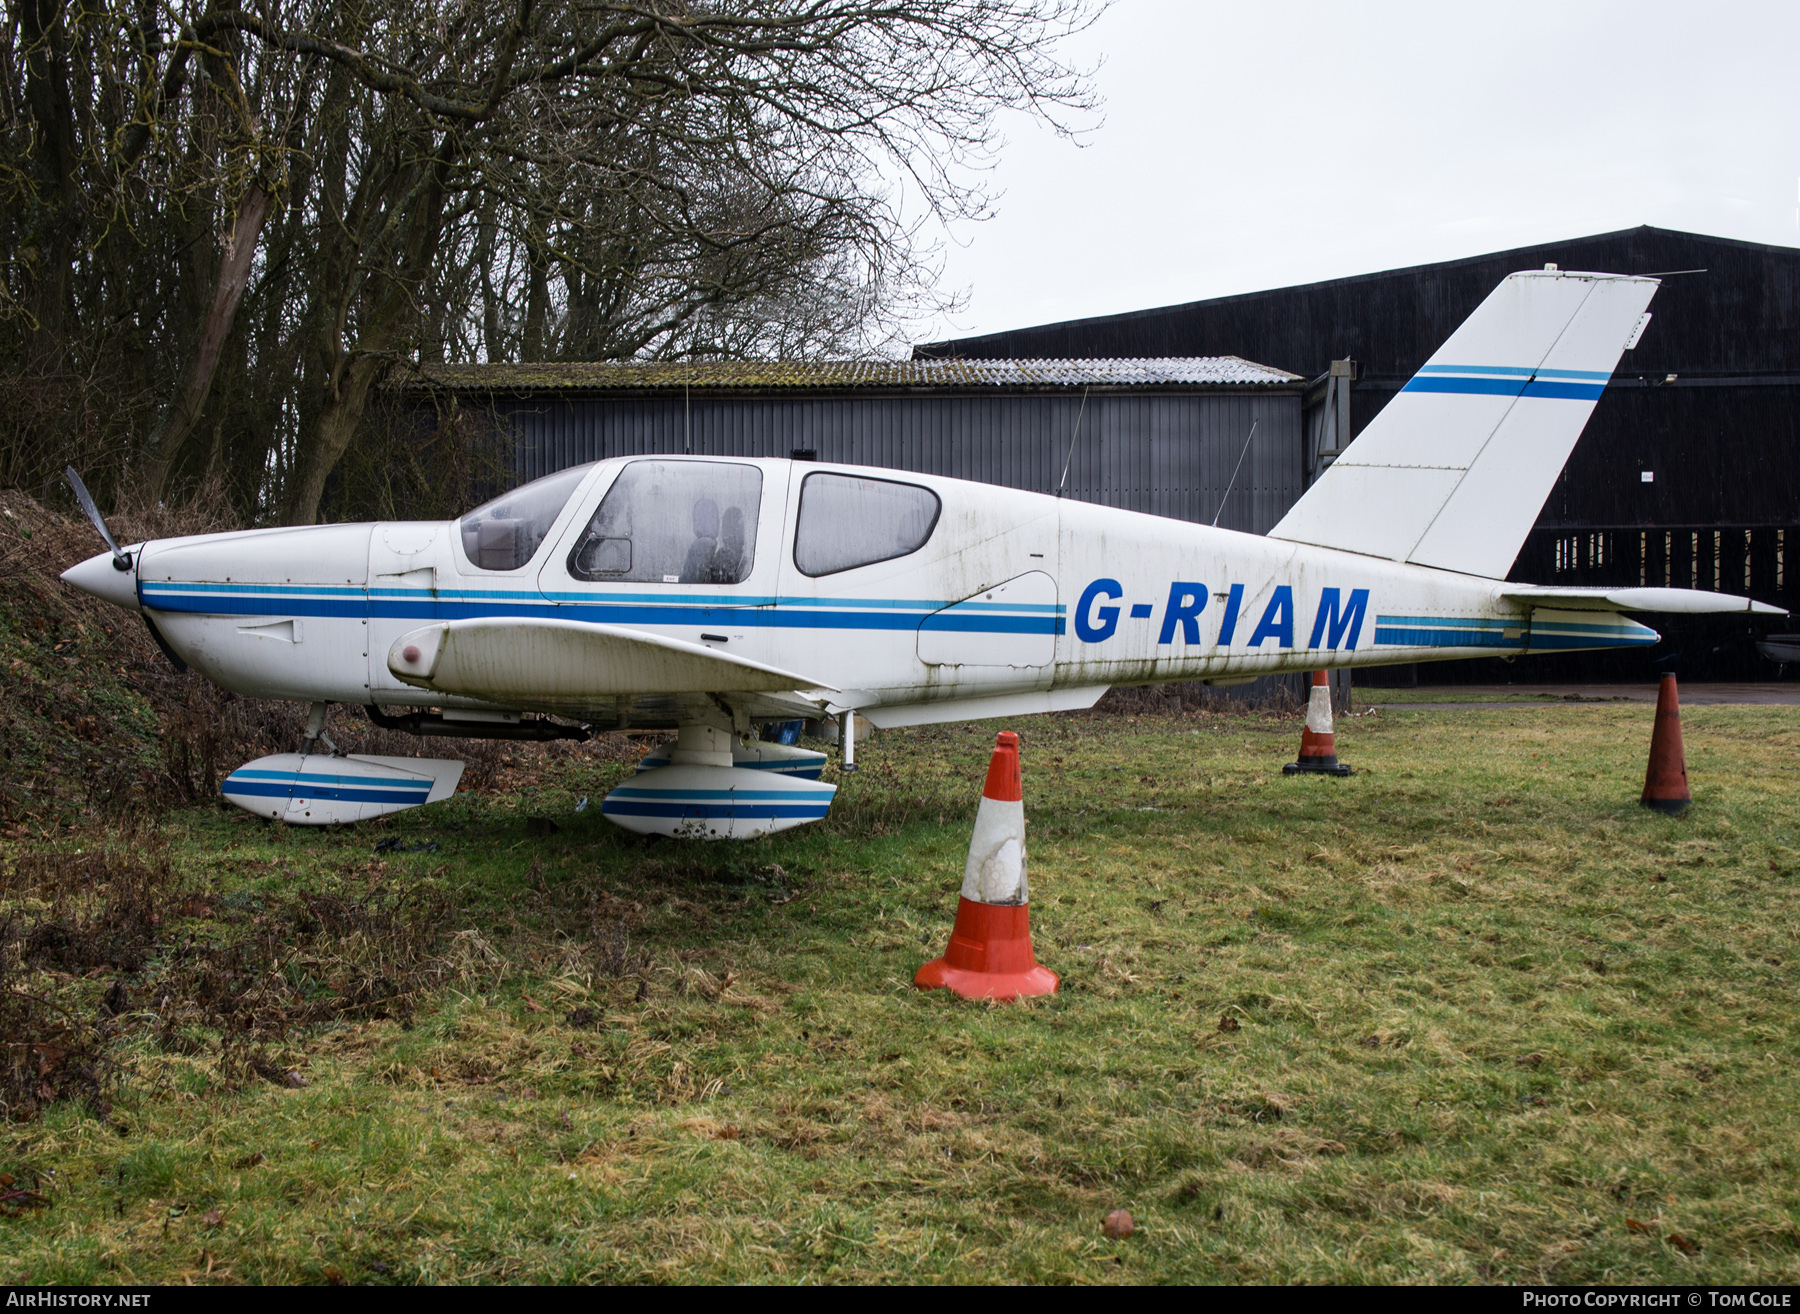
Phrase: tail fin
(1455,469)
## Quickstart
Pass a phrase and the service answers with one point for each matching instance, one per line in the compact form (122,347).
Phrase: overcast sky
(1253,145)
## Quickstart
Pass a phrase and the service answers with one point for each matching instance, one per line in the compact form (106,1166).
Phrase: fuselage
(974,592)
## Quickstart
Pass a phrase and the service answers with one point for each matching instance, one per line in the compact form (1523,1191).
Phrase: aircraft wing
(1691,602)
(555,664)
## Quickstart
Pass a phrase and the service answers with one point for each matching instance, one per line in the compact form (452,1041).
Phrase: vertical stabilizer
(1455,469)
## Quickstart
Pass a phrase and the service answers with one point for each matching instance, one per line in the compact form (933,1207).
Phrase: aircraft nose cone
(100,577)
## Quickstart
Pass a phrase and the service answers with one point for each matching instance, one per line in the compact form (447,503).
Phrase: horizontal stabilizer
(1454,470)
(1684,602)
(550,665)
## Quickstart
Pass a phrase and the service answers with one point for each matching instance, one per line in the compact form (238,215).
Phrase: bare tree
(335,189)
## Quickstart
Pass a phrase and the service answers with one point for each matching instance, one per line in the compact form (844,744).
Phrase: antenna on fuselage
(1234,473)
(1072,437)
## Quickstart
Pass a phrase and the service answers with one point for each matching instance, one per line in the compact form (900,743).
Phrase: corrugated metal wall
(1170,454)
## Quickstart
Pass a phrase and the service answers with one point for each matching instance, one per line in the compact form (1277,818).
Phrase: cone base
(989,956)
(1673,807)
(938,974)
(1316,766)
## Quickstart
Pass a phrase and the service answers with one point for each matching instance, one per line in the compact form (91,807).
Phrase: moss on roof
(609,376)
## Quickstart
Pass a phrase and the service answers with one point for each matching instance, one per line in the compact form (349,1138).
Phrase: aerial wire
(1234,473)
(1072,437)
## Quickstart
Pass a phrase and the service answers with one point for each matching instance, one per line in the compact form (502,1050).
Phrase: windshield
(505,533)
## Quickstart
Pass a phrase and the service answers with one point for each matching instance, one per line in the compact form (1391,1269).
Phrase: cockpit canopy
(688,521)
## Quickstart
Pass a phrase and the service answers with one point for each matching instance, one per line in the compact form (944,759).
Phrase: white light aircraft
(710,595)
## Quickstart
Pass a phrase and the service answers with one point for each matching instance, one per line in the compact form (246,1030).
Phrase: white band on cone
(996,869)
(1318,710)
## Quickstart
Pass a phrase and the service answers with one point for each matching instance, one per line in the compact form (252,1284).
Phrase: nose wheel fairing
(313,789)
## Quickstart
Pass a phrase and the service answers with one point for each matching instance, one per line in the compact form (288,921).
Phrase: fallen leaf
(1118,1225)
(334,1277)
(1686,1245)
(1230,1023)
(212,1217)
(532,1005)
(1632,1225)
(249,1160)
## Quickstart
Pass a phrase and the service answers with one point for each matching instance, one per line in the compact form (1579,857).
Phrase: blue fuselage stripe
(1613,640)
(270,602)
(1445,638)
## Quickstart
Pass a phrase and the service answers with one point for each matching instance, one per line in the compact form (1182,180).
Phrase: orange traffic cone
(990,956)
(1665,782)
(1318,746)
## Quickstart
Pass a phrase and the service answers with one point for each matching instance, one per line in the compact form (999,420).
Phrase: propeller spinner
(119,585)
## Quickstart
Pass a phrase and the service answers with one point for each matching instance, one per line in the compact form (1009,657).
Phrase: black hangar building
(1687,474)
(1204,439)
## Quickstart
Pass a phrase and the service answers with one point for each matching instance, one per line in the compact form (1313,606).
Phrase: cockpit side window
(847,521)
(505,533)
(673,522)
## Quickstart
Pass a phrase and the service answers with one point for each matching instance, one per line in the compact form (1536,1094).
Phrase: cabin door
(681,547)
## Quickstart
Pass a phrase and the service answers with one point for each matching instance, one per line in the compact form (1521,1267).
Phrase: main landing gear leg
(315,731)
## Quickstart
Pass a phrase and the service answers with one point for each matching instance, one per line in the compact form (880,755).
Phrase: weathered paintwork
(1007,603)
(1111,597)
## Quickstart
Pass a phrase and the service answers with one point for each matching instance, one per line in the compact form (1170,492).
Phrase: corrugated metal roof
(1148,372)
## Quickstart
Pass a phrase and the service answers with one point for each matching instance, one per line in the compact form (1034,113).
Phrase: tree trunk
(183,413)
(335,427)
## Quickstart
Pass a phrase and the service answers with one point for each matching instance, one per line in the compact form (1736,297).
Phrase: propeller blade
(121,561)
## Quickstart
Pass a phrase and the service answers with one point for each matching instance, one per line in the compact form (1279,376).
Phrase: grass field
(1470,1015)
